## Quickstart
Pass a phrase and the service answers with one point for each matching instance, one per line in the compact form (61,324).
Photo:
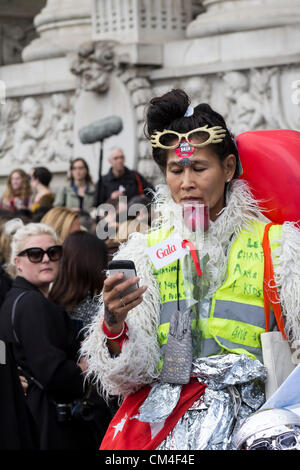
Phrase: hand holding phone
(121,293)
(127,268)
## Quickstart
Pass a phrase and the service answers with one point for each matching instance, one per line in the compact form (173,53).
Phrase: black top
(17,431)
(129,180)
(5,284)
(48,346)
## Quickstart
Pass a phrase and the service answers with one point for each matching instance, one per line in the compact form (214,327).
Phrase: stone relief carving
(9,114)
(280,103)
(255,100)
(93,65)
(249,100)
(13,39)
(141,92)
(34,130)
(244,106)
(62,119)
(30,131)
(199,89)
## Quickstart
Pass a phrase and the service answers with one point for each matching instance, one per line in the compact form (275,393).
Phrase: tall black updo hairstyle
(167,112)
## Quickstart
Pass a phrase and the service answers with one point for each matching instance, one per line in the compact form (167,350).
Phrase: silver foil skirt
(234,391)
(160,403)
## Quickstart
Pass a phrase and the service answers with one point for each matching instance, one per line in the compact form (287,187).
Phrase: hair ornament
(189,112)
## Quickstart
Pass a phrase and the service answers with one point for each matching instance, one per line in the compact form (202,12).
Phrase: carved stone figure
(93,65)
(244,110)
(199,89)
(9,114)
(29,132)
(265,84)
(40,132)
(60,146)
(13,39)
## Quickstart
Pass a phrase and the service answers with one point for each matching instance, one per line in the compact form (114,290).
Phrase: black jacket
(48,351)
(5,284)
(130,181)
(17,430)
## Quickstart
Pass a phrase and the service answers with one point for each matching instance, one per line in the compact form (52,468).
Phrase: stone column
(228,16)
(62,26)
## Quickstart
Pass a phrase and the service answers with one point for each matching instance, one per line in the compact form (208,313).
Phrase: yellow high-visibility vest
(233,320)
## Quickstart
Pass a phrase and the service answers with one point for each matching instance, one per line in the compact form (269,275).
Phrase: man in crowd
(120,181)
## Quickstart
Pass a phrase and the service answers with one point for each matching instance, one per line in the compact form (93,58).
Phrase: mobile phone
(127,268)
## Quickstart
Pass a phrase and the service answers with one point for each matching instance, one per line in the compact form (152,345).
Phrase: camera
(63,412)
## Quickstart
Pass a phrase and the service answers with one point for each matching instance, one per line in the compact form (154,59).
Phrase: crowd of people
(170,357)
(53,266)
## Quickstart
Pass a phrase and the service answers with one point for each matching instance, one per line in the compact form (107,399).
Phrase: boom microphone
(100,130)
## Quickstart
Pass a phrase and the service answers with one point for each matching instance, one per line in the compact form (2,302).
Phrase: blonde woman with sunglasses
(178,348)
(43,339)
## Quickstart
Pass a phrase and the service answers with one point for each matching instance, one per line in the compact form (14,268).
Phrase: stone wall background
(67,63)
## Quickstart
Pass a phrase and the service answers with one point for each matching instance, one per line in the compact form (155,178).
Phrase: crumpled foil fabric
(234,391)
(160,403)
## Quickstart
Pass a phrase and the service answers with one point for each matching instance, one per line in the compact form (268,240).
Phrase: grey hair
(20,232)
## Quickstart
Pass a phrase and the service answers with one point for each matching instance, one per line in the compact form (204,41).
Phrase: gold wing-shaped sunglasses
(171,139)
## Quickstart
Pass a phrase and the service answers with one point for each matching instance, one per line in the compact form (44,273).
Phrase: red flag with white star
(126,432)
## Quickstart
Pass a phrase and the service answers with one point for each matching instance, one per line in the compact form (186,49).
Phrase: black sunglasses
(35,255)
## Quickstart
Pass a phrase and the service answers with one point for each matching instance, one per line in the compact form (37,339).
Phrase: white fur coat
(137,363)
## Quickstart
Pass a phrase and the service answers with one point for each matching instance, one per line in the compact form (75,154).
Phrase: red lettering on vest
(160,253)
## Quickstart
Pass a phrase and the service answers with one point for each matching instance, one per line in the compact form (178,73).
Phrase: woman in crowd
(77,287)
(127,342)
(40,180)
(80,278)
(44,341)
(79,194)
(138,218)
(17,193)
(63,220)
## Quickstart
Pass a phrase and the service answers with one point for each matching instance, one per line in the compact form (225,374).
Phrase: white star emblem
(119,427)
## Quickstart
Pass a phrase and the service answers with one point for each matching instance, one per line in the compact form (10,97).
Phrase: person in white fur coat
(122,347)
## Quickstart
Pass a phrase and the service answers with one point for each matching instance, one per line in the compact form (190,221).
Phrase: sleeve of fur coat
(286,262)
(137,363)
